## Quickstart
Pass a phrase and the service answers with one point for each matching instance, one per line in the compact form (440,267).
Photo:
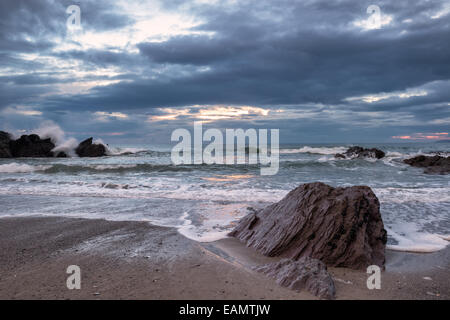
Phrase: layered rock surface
(305,274)
(342,227)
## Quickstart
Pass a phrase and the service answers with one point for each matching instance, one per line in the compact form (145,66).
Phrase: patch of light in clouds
(383,96)
(210,113)
(105,116)
(424,136)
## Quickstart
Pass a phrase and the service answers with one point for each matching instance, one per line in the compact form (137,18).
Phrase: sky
(321,71)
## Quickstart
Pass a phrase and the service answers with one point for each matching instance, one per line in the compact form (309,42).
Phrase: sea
(204,202)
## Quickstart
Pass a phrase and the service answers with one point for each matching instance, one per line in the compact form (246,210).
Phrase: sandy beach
(135,260)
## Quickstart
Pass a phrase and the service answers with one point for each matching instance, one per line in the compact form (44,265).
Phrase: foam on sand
(409,239)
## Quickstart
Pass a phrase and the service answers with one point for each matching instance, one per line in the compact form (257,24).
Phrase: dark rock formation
(31,146)
(89,149)
(5,150)
(359,152)
(306,273)
(342,227)
(62,154)
(432,165)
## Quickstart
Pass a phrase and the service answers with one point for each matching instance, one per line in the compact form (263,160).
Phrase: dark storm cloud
(31,26)
(195,50)
(102,58)
(303,53)
(260,53)
(24,25)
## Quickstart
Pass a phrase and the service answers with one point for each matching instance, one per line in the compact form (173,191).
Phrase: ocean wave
(313,150)
(116,151)
(407,155)
(21,168)
(115,168)
(409,239)
(413,195)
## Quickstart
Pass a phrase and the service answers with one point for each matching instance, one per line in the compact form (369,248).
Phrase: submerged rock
(5,150)
(360,152)
(89,149)
(305,274)
(342,227)
(31,146)
(433,165)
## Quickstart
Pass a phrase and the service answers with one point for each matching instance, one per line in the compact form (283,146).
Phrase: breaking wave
(317,150)
(21,168)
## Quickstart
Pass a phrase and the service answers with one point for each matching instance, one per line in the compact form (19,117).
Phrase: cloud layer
(319,70)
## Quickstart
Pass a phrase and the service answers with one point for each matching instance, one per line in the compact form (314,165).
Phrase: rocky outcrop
(342,227)
(360,152)
(31,146)
(433,165)
(5,150)
(305,274)
(89,149)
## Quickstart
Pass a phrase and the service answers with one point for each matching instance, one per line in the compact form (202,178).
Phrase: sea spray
(48,129)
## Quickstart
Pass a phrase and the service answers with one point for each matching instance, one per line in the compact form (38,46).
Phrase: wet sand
(135,260)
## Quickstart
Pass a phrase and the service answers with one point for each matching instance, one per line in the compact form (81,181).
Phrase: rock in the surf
(89,149)
(305,274)
(433,165)
(62,154)
(342,227)
(360,152)
(31,146)
(5,150)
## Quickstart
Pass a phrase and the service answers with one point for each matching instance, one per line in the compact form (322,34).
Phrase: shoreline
(136,260)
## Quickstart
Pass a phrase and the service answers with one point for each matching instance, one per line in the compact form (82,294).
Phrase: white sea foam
(315,150)
(216,222)
(49,129)
(413,195)
(326,159)
(411,240)
(115,151)
(68,147)
(393,154)
(112,166)
(21,168)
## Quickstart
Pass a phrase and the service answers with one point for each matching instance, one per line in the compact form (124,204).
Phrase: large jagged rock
(360,152)
(342,227)
(89,149)
(433,165)
(5,150)
(305,274)
(31,146)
